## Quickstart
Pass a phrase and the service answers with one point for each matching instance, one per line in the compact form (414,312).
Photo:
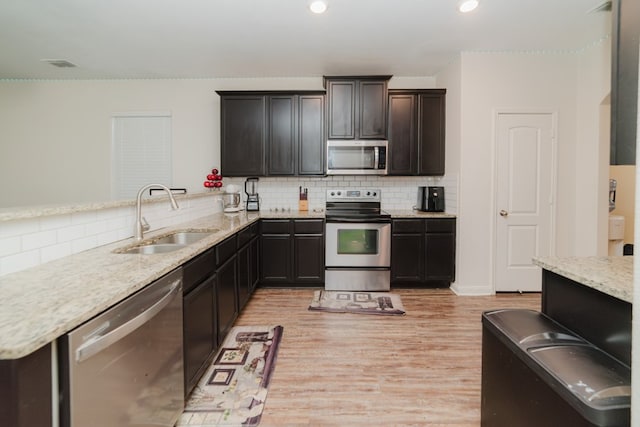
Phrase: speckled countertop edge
(40,304)
(25,212)
(610,275)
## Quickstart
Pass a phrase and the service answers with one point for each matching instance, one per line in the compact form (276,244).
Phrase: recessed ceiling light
(467,5)
(318,6)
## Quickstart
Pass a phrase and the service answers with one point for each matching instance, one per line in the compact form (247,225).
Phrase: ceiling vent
(60,63)
(605,6)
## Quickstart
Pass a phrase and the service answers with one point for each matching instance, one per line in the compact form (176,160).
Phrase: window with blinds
(141,152)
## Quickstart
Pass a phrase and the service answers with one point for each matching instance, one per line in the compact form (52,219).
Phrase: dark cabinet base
(25,390)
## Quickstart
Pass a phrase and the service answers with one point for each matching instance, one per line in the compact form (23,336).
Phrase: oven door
(358,244)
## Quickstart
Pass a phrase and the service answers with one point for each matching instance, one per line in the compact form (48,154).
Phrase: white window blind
(141,152)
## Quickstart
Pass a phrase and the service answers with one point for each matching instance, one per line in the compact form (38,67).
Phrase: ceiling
(130,39)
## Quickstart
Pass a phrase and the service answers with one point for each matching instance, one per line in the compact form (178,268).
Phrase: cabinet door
(198,326)
(254,264)
(342,109)
(431,143)
(407,261)
(25,389)
(440,256)
(243,135)
(282,135)
(226,298)
(275,261)
(372,109)
(402,159)
(311,144)
(309,259)
(244,275)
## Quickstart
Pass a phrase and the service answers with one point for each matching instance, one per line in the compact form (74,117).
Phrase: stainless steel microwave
(356,157)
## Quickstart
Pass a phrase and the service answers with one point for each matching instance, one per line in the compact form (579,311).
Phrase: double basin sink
(167,243)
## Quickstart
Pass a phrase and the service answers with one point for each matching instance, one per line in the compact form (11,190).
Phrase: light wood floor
(421,369)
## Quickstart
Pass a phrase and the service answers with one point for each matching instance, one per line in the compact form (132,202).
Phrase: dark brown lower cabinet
(227,297)
(292,252)
(199,331)
(25,390)
(423,251)
(198,315)
(247,260)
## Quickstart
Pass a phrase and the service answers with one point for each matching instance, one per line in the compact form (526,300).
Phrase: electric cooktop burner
(355,204)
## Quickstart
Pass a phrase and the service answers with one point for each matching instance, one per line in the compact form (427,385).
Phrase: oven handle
(359,220)
(99,342)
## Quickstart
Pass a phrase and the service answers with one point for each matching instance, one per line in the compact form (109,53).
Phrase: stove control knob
(333,194)
(368,193)
(339,193)
(374,193)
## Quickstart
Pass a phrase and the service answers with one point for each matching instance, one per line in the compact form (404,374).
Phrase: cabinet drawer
(407,226)
(226,248)
(444,225)
(276,226)
(199,268)
(308,226)
(244,236)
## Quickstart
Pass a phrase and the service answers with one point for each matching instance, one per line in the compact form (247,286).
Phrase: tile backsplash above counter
(398,193)
(34,236)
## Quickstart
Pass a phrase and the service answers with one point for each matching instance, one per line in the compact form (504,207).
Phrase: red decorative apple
(214,171)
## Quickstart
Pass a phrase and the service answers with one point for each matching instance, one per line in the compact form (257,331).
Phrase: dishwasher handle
(99,342)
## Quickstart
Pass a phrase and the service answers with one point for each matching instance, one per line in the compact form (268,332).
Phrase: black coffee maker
(430,199)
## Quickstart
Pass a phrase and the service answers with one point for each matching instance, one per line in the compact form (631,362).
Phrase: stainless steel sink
(167,243)
(183,237)
(153,248)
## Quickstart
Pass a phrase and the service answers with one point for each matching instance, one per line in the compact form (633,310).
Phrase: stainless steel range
(358,241)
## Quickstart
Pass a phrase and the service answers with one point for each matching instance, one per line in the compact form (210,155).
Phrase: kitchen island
(571,362)
(593,297)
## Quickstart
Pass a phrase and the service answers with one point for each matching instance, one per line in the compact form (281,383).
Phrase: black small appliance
(253,200)
(430,199)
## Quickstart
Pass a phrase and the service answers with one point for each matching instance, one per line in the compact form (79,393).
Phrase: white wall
(592,149)
(500,81)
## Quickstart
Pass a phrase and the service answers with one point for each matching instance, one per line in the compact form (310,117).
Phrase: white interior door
(524,199)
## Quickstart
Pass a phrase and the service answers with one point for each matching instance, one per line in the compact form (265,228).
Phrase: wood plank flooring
(421,369)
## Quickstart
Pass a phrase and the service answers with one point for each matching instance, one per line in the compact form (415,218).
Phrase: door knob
(504,213)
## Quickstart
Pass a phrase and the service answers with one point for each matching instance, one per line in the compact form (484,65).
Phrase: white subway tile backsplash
(37,240)
(397,192)
(10,245)
(51,253)
(20,261)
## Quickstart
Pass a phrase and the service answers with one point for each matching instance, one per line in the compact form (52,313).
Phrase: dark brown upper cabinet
(416,132)
(243,124)
(624,81)
(272,133)
(356,107)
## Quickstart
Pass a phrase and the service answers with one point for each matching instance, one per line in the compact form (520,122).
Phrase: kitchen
(476,84)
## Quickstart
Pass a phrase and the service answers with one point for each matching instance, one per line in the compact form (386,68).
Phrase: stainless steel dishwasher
(125,366)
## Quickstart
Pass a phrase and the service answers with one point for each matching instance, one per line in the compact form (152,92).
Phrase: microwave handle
(376,157)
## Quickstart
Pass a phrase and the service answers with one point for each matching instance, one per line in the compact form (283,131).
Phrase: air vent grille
(60,63)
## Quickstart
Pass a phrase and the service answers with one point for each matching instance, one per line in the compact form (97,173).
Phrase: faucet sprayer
(141,224)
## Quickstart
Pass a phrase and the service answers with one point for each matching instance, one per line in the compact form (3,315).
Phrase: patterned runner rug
(233,390)
(382,303)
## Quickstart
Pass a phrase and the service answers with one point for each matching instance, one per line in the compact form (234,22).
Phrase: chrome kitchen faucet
(141,224)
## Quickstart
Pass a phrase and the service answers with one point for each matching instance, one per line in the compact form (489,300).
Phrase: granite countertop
(610,275)
(40,304)
(412,213)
